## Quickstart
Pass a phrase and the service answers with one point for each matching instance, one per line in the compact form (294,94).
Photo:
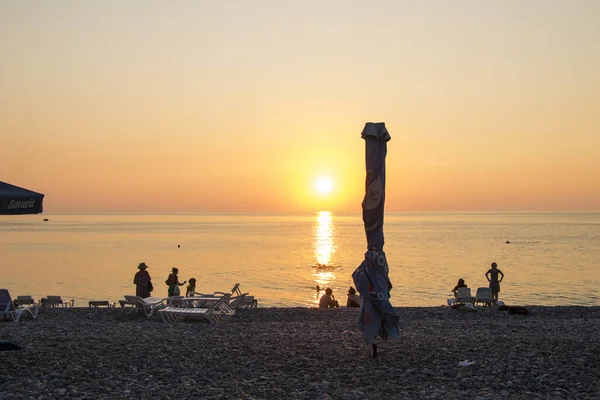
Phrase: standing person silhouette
(142,281)
(173,282)
(492,277)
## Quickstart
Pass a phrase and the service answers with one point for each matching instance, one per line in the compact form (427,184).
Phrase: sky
(242,106)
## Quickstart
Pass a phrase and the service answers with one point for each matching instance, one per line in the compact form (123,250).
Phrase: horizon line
(309,212)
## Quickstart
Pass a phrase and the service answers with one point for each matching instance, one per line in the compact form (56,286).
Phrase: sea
(548,258)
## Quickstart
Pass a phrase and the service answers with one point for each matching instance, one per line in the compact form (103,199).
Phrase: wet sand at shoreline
(302,353)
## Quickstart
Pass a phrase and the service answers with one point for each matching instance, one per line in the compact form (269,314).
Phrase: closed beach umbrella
(377,317)
(16,200)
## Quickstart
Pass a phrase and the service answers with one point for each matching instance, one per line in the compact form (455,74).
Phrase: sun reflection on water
(324,239)
(324,249)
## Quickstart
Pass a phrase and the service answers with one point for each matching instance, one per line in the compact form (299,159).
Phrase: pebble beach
(304,353)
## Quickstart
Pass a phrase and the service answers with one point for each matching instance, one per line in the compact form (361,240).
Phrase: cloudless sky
(240,106)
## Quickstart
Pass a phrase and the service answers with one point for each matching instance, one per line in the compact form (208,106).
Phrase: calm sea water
(552,258)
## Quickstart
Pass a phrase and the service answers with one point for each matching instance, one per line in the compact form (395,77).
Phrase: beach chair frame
(9,311)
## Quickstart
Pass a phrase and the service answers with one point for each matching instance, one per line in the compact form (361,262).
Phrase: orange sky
(238,106)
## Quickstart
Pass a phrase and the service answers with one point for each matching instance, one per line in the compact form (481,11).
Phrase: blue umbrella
(16,200)
(377,317)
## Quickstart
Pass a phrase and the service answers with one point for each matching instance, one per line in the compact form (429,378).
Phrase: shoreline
(304,353)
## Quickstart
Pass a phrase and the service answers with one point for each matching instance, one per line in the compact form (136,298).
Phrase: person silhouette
(328,300)
(142,281)
(492,276)
(173,282)
(353,298)
(191,288)
(461,283)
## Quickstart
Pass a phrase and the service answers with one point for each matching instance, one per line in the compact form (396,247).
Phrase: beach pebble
(302,353)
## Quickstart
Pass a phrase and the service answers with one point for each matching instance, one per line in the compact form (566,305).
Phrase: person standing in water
(492,276)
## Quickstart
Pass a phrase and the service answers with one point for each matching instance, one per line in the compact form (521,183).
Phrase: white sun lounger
(148,304)
(217,313)
(8,309)
(242,300)
(464,296)
(206,301)
(235,291)
(484,296)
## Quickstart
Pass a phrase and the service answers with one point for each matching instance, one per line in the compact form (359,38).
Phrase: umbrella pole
(373,350)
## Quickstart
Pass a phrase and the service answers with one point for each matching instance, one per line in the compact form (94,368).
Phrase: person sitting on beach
(173,282)
(142,281)
(191,288)
(353,298)
(492,277)
(461,283)
(327,300)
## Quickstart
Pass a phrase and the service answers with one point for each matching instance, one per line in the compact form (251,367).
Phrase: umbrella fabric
(377,316)
(376,137)
(16,200)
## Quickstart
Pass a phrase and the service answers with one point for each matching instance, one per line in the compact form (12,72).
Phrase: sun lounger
(218,312)
(484,296)
(463,296)
(238,301)
(235,291)
(148,304)
(8,309)
(100,303)
(204,301)
(245,301)
(25,300)
(196,294)
(57,301)
(175,301)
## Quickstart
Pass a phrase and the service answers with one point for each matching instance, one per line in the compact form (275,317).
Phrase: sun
(323,185)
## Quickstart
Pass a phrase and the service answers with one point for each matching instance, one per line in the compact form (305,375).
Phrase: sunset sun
(323,185)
